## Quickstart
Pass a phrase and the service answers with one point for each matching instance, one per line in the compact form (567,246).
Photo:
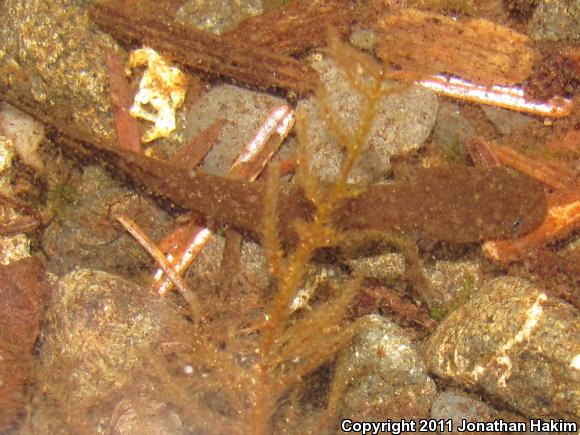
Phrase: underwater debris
(23,294)
(295,27)
(512,98)
(199,50)
(156,253)
(162,87)
(121,99)
(478,50)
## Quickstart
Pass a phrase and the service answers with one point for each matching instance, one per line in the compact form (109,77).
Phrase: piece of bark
(295,27)
(23,293)
(203,52)
(477,50)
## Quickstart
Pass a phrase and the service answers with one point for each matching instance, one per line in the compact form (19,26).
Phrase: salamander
(456,204)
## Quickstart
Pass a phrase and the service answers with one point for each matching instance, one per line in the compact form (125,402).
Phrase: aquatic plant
(290,344)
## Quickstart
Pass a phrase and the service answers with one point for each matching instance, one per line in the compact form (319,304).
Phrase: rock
(556,20)
(98,328)
(217,16)
(382,376)
(403,122)
(244,111)
(15,246)
(517,344)
(364,39)
(506,121)
(455,282)
(458,406)
(452,129)
(137,417)
(24,132)
(84,232)
(387,267)
(52,60)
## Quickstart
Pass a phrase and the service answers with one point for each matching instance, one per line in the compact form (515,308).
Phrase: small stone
(458,406)
(24,132)
(387,266)
(403,122)
(517,344)
(506,121)
(452,129)
(363,39)
(144,417)
(455,282)
(244,111)
(382,376)
(217,16)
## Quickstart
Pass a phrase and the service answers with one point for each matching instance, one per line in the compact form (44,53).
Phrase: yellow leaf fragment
(478,50)
(162,88)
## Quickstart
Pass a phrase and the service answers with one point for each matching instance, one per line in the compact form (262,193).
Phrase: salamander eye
(517,223)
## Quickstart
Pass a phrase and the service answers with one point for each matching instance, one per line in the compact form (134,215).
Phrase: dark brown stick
(201,51)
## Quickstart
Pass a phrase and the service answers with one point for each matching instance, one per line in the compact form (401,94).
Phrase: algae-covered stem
(314,235)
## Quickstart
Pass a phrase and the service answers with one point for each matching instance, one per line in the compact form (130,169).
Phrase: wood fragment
(478,50)
(201,51)
(556,179)
(295,27)
(154,251)
(512,98)
(191,154)
(23,294)
(127,128)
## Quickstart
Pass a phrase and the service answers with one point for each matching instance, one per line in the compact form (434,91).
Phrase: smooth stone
(402,123)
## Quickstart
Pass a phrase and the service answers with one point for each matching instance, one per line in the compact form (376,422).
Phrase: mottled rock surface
(517,344)
(452,129)
(403,122)
(217,16)
(556,20)
(84,232)
(506,121)
(99,327)
(382,375)
(52,56)
(144,417)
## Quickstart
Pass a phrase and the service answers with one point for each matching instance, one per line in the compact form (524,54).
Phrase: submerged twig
(512,98)
(126,125)
(154,251)
(200,50)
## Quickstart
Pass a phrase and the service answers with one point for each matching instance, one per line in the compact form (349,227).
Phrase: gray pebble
(403,122)
(382,376)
